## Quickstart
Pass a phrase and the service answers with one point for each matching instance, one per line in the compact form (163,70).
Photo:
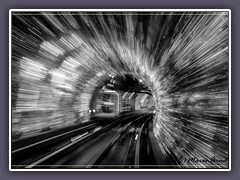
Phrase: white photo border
(118,10)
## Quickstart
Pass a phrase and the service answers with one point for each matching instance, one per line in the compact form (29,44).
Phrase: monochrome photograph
(119,89)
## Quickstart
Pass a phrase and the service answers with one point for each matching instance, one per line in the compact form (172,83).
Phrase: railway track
(123,150)
(48,151)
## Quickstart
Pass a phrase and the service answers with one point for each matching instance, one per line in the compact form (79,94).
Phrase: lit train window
(107,103)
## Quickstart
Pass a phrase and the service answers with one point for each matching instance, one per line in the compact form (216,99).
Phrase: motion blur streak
(58,59)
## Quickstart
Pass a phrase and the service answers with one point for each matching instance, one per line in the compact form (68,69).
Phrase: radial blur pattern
(59,58)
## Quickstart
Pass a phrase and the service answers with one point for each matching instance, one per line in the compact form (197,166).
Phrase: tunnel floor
(123,142)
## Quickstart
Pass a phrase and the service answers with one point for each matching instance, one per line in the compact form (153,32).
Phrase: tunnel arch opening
(120,94)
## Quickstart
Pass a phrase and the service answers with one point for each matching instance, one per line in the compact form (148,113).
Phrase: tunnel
(163,76)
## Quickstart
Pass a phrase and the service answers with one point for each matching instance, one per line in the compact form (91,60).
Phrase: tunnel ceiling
(126,83)
(59,58)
